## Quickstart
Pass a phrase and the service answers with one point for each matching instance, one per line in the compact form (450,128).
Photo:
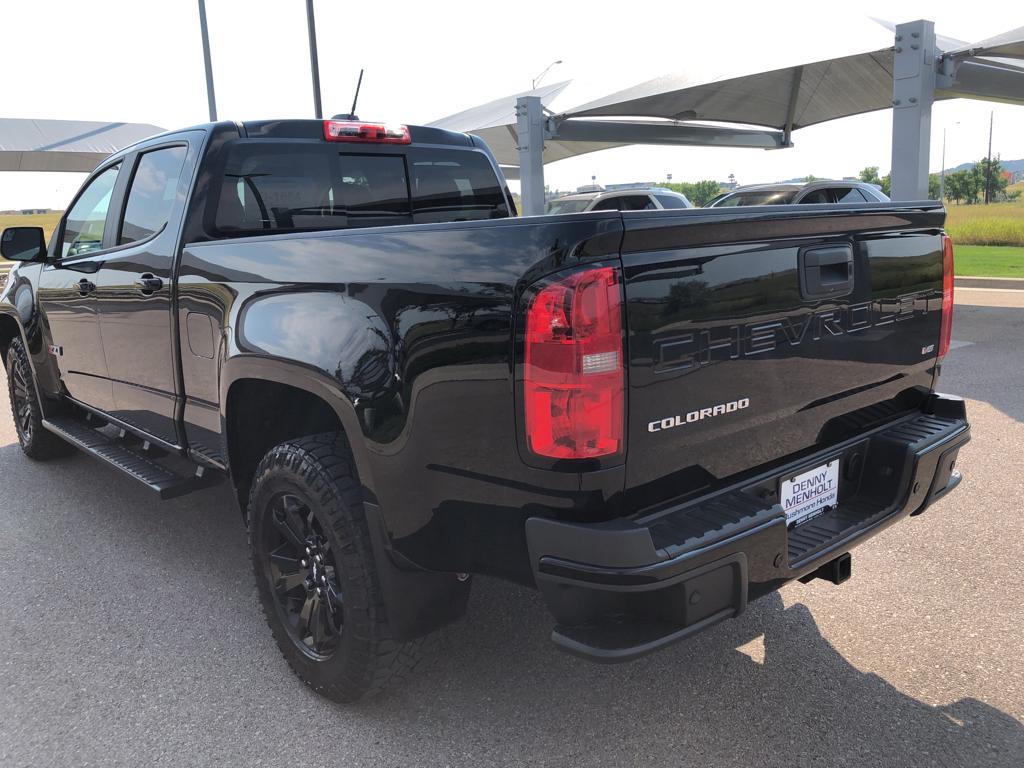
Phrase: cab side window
(154,189)
(83,228)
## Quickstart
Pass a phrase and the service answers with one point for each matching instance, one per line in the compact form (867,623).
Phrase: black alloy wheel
(36,441)
(21,400)
(304,576)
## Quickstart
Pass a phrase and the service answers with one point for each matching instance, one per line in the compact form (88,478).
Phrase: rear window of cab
(270,187)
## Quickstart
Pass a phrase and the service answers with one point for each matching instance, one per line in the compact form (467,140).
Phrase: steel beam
(913,90)
(531,131)
(981,80)
(680,134)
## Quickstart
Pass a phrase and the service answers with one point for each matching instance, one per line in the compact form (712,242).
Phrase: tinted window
(756,198)
(568,206)
(817,196)
(152,193)
(83,230)
(608,204)
(672,201)
(288,187)
(636,203)
(291,186)
(454,186)
(852,195)
(625,203)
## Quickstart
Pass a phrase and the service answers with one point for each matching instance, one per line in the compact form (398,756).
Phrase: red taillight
(574,378)
(374,133)
(946,329)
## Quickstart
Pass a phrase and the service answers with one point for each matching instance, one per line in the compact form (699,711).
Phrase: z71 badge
(56,350)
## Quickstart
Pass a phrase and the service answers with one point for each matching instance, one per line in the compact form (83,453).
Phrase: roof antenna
(352,113)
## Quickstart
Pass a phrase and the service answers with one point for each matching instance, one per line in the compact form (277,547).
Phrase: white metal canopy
(795,96)
(64,145)
(918,69)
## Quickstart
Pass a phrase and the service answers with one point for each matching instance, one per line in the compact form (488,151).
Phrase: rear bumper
(628,587)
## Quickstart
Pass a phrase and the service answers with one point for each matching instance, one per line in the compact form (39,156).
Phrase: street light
(540,77)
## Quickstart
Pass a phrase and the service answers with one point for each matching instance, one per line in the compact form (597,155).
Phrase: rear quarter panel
(410,328)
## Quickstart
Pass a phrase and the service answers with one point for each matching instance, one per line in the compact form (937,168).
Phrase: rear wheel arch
(266,405)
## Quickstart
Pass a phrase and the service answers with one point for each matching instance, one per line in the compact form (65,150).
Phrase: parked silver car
(820,191)
(651,199)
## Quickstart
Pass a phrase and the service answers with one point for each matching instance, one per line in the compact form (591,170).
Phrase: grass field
(995,224)
(45,220)
(989,260)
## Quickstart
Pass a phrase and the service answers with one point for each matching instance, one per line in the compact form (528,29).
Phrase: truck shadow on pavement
(492,690)
(789,698)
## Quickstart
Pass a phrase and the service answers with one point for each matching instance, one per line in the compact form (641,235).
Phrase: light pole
(211,99)
(942,173)
(314,61)
(540,77)
(988,164)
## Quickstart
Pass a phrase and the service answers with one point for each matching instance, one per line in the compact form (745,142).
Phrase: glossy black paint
(411,336)
(716,314)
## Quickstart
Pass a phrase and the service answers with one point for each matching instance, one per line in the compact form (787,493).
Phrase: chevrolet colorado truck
(653,417)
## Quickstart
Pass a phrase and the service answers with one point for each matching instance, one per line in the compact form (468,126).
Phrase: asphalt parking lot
(130,635)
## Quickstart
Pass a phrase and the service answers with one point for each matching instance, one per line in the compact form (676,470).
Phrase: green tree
(704,191)
(934,184)
(869,175)
(990,173)
(698,193)
(963,186)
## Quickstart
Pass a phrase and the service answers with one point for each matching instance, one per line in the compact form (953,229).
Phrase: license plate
(810,493)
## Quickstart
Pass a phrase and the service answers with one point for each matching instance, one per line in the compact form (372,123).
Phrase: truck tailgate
(757,334)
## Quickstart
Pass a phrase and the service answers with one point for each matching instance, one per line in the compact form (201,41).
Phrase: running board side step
(166,482)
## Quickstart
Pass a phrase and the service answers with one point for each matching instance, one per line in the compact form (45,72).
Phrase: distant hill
(1016,167)
(1013,166)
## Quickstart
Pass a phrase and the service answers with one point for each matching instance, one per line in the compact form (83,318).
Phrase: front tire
(315,570)
(36,441)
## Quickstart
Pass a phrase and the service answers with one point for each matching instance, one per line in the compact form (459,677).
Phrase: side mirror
(23,244)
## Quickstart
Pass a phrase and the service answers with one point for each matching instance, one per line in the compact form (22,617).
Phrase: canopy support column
(913,91)
(531,131)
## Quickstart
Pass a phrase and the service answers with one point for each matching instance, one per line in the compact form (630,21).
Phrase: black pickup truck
(653,417)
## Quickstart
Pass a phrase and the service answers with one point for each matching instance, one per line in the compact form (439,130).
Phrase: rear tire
(36,441)
(316,574)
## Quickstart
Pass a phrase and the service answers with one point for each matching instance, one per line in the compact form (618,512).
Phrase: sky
(133,61)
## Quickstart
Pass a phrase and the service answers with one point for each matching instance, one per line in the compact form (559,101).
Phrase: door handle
(85,287)
(149,284)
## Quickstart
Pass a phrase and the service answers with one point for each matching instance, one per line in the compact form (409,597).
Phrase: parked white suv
(651,199)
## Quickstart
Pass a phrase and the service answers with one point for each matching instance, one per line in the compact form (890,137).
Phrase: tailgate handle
(826,271)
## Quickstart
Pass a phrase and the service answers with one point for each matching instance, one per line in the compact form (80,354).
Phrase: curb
(999,283)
